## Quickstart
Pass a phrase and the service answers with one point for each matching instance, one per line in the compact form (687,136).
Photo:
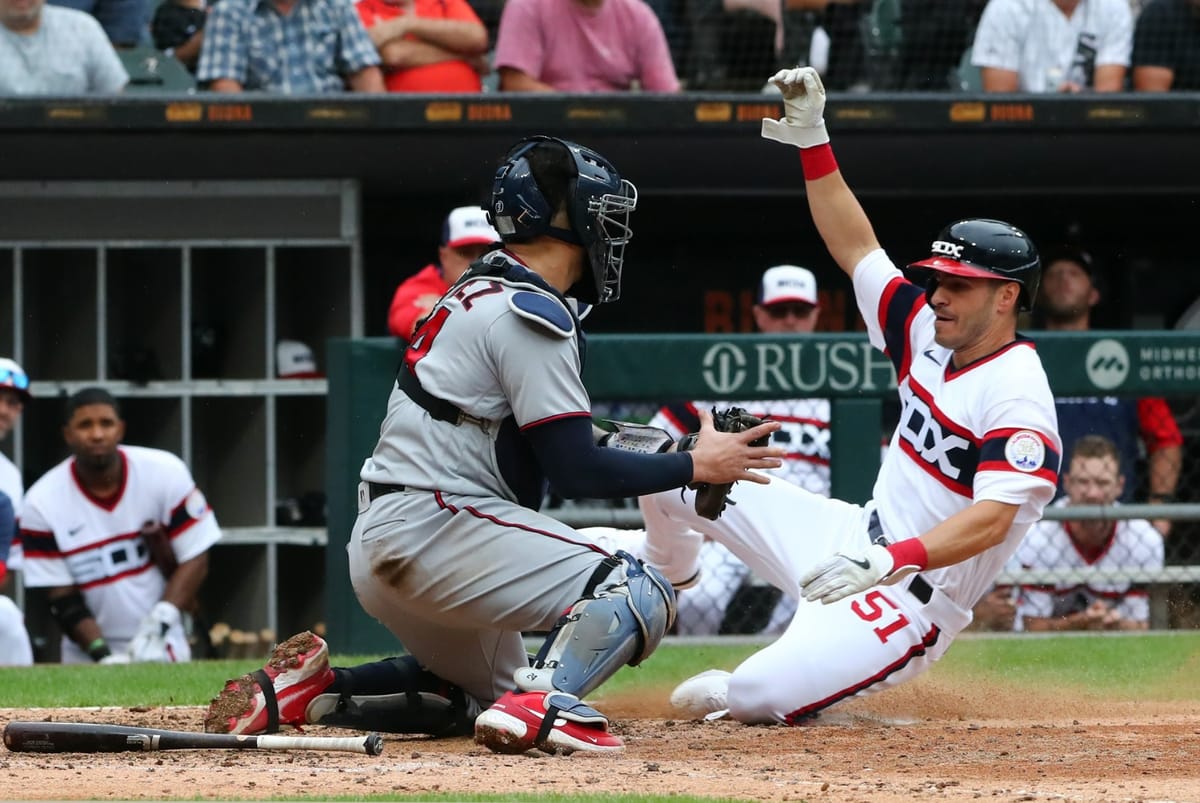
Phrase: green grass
(1132,667)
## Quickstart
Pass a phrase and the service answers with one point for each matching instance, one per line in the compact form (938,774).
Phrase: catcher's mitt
(711,499)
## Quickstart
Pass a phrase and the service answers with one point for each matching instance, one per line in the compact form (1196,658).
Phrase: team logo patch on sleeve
(1025,451)
(195,504)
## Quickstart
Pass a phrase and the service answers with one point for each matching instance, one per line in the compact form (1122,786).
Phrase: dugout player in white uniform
(1093,478)
(81,526)
(885,587)
(449,550)
(15,648)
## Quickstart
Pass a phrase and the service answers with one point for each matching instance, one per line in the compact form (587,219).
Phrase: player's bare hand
(721,457)
(803,123)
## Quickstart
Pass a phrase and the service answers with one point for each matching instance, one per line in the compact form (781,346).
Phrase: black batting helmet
(987,249)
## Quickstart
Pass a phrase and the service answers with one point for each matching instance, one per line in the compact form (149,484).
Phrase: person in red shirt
(466,236)
(427,45)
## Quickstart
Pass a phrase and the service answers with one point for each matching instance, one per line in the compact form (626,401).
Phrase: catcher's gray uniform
(459,562)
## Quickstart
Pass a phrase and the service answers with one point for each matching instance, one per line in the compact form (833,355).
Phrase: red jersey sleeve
(1157,424)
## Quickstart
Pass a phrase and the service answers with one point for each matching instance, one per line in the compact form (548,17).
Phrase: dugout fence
(637,372)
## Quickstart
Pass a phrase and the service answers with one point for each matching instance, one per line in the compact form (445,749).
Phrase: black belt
(377,489)
(919,587)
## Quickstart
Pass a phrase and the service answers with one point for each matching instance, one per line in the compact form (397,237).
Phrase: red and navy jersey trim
(898,306)
(992,457)
(952,372)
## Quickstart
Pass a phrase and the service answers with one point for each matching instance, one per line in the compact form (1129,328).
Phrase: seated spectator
(178,29)
(1053,45)
(427,45)
(288,46)
(1070,290)
(47,50)
(123,21)
(1166,46)
(1093,478)
(466,236)
(582,46)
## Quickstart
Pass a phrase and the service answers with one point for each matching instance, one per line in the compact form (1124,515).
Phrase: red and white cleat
(554,722)
(278,694)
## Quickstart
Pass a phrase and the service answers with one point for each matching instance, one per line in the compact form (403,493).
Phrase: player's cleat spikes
(554,722)
(703,696)
(278,694)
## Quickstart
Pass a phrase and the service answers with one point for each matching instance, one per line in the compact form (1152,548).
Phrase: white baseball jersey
(987,430)
(983,431)
(1132,544)
(72,538)
(1045,48)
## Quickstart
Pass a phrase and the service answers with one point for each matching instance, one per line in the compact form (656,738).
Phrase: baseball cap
(468,225)
(787,283)
(295,360)
(13,376)
(1069,253)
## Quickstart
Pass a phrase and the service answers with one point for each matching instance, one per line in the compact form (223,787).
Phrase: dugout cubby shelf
(173,296)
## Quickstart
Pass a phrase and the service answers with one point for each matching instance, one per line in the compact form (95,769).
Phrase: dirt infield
(927,740)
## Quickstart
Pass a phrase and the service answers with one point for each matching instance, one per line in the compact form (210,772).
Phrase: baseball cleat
(278,694)
(553,722)
(703,696)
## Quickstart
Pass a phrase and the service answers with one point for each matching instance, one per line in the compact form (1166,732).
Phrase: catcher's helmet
(988,249)
(598,203)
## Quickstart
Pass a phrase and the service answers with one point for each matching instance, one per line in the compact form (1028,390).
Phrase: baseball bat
(83,737)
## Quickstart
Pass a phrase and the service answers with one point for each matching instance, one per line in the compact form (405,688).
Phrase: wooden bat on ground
(82,737)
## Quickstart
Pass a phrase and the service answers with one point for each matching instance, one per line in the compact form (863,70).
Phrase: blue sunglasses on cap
(13,379)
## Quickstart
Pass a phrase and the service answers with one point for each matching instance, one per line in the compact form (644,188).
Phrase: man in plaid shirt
(288,46)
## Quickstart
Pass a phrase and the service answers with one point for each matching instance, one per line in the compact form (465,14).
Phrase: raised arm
(839,217)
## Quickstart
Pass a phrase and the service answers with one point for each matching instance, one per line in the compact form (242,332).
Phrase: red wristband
(909,552)
(817,161)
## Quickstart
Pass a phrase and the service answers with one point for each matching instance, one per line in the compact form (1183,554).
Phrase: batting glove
(803,123)
(842,576)
(150,641)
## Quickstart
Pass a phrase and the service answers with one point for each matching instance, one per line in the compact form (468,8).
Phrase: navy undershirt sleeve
(577,468)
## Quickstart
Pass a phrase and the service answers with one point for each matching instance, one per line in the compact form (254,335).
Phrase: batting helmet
(987,249)
(598,203)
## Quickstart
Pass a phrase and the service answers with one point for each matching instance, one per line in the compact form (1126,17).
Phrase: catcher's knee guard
(416,709)
(621,623)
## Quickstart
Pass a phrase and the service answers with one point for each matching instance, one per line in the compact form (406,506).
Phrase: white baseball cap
(295,360)
(468,225)
(787,283)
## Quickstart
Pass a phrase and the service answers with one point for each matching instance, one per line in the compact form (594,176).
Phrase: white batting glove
(842,576)
(803,123)
(150,641)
